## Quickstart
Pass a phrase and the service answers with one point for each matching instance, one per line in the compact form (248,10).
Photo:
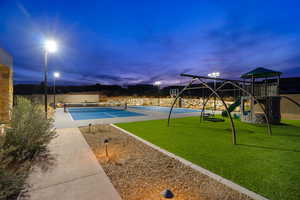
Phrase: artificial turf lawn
(268,165)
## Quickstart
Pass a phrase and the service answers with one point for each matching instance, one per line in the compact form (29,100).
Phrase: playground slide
(232,107)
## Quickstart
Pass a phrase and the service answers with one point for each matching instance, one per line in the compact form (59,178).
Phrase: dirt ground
(140,172)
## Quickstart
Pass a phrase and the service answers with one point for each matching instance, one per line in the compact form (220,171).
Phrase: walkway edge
(212,175)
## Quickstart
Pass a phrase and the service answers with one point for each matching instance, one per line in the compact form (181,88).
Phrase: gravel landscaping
(140,172)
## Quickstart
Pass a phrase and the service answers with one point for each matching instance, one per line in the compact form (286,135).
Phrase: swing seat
(213,119)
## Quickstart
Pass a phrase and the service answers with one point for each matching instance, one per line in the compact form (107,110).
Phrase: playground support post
(177,96)
(228,113)
(202,82)
(206,100)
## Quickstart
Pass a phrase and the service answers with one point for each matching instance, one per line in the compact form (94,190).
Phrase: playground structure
(258,98)
(266,93)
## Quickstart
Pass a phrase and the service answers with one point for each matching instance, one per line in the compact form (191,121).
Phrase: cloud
(225,40)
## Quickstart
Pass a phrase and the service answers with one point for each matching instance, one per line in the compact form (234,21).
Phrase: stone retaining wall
(6,86)
(63,98)
(195,103)
(288,110)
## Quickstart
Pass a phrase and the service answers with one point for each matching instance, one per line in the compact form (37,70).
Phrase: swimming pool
(99,113)
(165,109)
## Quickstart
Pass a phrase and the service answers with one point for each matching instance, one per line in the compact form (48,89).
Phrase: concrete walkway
(74,174)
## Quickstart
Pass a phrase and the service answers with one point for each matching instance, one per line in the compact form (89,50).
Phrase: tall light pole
(158,83)
(55,76)
(50,46)
(214,75)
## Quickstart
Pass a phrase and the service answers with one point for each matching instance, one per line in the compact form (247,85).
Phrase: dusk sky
(142,41)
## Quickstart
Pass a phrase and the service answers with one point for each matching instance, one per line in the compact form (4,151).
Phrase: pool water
(165,109)
(100,113)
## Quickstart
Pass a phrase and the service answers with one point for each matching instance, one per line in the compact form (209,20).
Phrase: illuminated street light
(55,75)
(214,75)
(158,83)
(50,46)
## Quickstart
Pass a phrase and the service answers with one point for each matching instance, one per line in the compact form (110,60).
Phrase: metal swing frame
(216,92)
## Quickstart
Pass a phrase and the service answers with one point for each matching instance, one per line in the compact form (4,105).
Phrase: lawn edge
(212,175)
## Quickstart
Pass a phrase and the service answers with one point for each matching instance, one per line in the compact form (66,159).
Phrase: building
(6,86)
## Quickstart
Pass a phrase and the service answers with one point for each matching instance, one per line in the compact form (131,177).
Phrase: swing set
(262,96)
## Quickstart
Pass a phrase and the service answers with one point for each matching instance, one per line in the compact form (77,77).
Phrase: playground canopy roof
(261,72)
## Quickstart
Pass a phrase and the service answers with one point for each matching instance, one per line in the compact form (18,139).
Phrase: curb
(212,175)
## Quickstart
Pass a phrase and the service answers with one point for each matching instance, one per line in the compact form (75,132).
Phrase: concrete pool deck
(65,120)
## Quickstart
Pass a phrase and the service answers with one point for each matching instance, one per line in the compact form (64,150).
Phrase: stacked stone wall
(6,93)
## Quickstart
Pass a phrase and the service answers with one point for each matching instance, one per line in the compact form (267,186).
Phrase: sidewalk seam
(59,183)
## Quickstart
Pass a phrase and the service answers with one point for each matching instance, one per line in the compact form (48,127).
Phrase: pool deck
(64,120)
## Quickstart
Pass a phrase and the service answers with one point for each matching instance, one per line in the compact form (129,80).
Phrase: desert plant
(29,132)
(26,138)
(12,178)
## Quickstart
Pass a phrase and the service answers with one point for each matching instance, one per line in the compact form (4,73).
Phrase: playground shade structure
(261,72)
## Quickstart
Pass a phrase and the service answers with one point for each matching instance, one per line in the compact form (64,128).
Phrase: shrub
(27,137)
(29,132)
(12,178)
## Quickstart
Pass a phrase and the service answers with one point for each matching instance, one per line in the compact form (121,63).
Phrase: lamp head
(214,74)
(50,46)
(157,83)
(56,74)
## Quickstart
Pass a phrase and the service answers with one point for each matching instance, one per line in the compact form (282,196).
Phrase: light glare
(50,46)
(56,74)
(157,82)
(214,74)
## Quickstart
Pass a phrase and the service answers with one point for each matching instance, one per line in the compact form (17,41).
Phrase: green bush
(26,139)
(12,178)
(29,131)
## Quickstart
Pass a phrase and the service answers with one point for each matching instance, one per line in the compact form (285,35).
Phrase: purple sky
(136,41)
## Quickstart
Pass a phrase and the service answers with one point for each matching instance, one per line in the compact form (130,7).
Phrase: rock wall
(195,103)
(6,91)
(288,110)
(63,98)
(6,86)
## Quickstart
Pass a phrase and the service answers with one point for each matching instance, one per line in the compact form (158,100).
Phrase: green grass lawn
(268,165)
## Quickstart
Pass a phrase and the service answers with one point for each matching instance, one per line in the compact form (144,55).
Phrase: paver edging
(212,175)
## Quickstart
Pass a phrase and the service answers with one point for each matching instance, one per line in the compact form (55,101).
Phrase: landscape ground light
(106,150)
(167,194)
